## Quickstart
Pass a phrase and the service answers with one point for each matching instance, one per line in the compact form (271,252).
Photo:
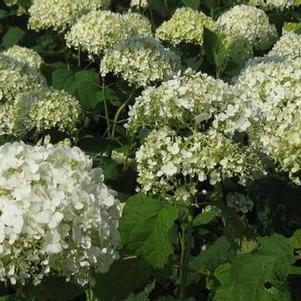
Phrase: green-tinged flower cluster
(57,215)
(26,104)
(249,23)
(189,101)
(25,56)
(13,82)
(288,46)
(23,60)
(186,25)
(100,30)
(166,162)
(140,61)
(238,49)
(273,90)
(41,110)
(60,14)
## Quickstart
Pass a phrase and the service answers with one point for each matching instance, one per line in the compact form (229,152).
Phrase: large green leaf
(84,85)
(124,277)
(215,50)
(12,36)
(146,227)
(216,254)
(260,275)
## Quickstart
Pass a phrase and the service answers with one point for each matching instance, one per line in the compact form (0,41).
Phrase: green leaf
(260,275)
(216,254)
(215,50)
(3,14)
(84,85)
(195,4)
(12,36)
(206,217)
(296,239)
(124,277)
(146,227)
(295,27)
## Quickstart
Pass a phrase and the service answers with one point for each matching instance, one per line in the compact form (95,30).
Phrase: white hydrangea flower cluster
(40,110)
(57,215)
(273,89)
(140,61)
(249,23)
(23,60)
(13,82)
(24,55)
(165,162)
(137,3)
(100,30)
(11,2)
(288,46)
(273,4)
(193,101)
(60,14)
(186,25)
(239,202)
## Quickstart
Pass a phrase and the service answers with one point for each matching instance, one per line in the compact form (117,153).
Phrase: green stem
(119,111)
(106,107)
(186,246)
(78,57)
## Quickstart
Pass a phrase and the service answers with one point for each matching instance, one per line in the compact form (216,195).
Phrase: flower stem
(186,245)
(119,111)
(106,107)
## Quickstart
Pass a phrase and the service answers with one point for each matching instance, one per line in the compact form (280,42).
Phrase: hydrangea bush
(150,150)
(57,215)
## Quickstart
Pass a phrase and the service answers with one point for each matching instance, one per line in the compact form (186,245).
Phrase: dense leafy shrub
(150,150)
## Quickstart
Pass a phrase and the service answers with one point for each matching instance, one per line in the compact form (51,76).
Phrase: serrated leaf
(206,217)
(124,277)
(260,275)
(12,36)
(145,228)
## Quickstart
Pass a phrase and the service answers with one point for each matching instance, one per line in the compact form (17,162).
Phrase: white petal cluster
(274,91)
(186,25)
(273,4)
(141,3)
(140,61)
(165,162)
(40,110)
(24,55)
(23,60)
(193,101)
(100,30)
(60,14)
(57,215)
(239,202)
(13,82)
(250,23)
(288,46)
